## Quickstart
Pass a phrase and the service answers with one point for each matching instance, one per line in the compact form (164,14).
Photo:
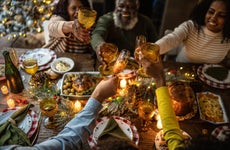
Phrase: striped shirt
(197,47)
(60,42)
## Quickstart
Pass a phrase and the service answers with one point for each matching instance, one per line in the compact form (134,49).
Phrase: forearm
(172,133)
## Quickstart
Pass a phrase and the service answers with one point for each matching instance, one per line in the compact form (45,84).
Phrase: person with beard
(121,27)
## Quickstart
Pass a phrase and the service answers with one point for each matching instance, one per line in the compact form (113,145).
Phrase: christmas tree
(18,17)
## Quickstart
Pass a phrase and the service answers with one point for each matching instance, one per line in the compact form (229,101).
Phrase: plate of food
(214,75)
(211,108)
(79,84)
(62,65)
(126,126)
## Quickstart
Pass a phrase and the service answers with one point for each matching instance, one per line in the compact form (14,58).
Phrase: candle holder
(4,90)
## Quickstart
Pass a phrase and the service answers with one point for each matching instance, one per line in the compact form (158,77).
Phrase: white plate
(125,125)
(208,106)
(43,55)
(101,126)
(24,125)
(160,143)
(66,61)
(226,81)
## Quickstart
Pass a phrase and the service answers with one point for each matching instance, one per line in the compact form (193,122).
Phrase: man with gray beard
(121,27)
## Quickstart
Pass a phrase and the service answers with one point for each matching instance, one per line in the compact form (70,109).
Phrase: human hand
(106,88)
(79,32)
(154,69)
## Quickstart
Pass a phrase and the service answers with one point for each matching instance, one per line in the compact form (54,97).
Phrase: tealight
(77,106)
(4,90)
(123,83)
(10,103)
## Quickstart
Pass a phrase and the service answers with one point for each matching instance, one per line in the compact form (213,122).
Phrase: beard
(127,25)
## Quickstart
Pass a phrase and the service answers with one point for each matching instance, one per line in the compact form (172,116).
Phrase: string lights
(18,17)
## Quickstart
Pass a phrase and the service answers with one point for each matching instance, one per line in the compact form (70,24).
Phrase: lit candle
(4,90)
(11,103)
(159,123)
(77,106)
(123,83)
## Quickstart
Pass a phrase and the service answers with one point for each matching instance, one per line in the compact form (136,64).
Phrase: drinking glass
(49,108)
(140,40)
(108,52)
(150,51)
(30,66)
(87,17)
(146,111)
(121,61)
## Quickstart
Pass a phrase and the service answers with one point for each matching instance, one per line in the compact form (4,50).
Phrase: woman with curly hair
(65,33)
(205,38)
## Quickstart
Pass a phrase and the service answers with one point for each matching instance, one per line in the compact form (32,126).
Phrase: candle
(11,103)
(77,106)
(159,123)
(4,90)
(123,83)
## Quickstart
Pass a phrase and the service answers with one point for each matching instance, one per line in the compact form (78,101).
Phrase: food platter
(70,80)
(211,108)
(129,129)
(211,81)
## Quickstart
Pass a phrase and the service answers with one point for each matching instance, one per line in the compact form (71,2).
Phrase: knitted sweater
(58,41)
(106,31)
(197,47)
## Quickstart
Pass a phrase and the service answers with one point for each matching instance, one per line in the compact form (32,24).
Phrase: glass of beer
(30,66)
(87,17)
(108,53)
(49,107)
(151,52)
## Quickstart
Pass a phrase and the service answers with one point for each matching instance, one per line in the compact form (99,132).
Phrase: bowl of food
(62,65)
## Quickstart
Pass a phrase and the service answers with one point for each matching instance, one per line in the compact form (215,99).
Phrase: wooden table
(194,127)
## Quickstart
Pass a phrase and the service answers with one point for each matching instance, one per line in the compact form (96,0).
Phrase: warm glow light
(4,90)
(123,83)
(77,106)
(11,103)
(159,123)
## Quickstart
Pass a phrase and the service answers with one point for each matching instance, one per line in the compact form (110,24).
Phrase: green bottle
(13,76)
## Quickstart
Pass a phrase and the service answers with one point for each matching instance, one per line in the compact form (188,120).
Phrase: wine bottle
(13,76)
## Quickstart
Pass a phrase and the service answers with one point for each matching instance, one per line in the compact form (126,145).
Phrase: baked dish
(182,96)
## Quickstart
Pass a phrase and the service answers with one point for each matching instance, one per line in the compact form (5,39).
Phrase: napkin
(113,129)
(9,131)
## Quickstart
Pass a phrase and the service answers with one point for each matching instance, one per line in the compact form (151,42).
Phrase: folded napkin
(113,129)
(9,131)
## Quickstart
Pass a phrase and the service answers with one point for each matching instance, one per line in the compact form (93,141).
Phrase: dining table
(195,126)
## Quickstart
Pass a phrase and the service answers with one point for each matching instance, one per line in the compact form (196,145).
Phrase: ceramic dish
(66,84)
(221,133)
(62,65)
(129,129)
(101,126)
(24,125)
(45,57)
(41,54)
(160,143)
(210,80)
(211,108)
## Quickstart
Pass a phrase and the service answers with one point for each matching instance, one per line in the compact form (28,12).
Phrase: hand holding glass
(121,61)
(87,17)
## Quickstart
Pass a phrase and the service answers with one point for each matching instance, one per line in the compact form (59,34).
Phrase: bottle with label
(12,75)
